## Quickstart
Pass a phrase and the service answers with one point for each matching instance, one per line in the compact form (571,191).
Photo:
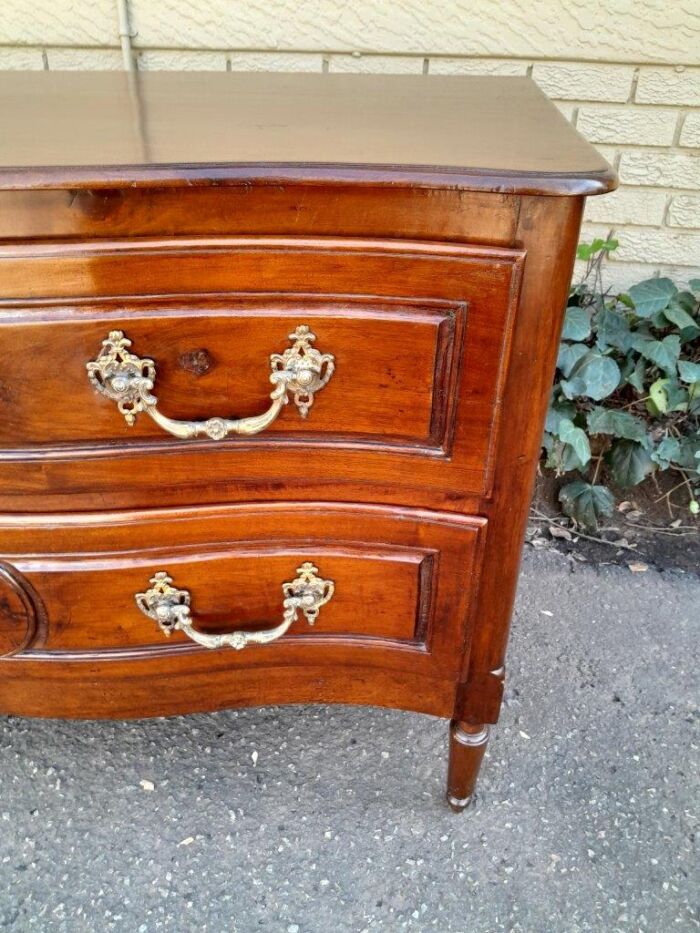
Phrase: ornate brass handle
(170,608)
(128,380)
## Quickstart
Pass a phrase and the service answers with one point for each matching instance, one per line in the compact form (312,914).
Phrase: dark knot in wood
(197,362)
(97,205)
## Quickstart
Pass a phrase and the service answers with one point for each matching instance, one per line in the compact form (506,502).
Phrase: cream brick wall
(627,75)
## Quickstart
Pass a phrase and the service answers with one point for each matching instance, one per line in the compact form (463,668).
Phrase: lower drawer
(118,612)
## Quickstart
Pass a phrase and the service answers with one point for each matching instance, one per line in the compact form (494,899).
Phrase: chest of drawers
(276,356)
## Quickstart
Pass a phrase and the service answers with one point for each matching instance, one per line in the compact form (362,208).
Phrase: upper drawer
(418,332)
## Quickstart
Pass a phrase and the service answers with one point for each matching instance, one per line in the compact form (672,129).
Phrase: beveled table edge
(181,175)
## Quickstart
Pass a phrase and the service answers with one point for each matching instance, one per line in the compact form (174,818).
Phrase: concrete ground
(326,820)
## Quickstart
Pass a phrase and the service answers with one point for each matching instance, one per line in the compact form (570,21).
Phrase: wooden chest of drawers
(276,356)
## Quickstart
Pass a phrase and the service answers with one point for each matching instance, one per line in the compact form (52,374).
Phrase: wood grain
(498,134)
(249,210)
(550,229)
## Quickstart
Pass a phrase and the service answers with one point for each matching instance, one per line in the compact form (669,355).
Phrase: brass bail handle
(170,607)
(128,380)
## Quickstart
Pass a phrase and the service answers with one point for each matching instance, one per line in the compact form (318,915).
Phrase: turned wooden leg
(467,747)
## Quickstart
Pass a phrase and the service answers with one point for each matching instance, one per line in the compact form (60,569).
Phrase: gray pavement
(326,820)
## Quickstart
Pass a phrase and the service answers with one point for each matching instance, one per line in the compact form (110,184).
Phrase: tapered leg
(467,747)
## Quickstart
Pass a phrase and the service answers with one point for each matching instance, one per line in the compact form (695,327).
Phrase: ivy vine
(626,400)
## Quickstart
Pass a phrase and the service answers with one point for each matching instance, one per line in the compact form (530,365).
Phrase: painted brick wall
(627,75)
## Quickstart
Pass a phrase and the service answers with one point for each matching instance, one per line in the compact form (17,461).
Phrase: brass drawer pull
(128,380)
(170,608)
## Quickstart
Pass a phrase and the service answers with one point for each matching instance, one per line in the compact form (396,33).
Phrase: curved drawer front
(398,587)
(418,334)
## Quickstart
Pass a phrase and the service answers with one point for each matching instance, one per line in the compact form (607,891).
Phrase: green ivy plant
(626,400)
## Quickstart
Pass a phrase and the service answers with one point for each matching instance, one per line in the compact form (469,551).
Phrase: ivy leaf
(573,388)
(683,321)
(659,321)
(694,398)
(658,397)
(586,250)
(663,353)
(689,372)
(652,295)
(635,377)
(577,324)
(668,450)
(630,462)
(688,302)
(617,423)
(625,300)
(576,438)
(558,410)
(689,456)
(667,395)
(563,458)
(612,330)
(677,396)
(694,284)
(569,355)
(586,503)
(595,376)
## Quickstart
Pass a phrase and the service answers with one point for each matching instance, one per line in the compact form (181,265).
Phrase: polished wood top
(107,129)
